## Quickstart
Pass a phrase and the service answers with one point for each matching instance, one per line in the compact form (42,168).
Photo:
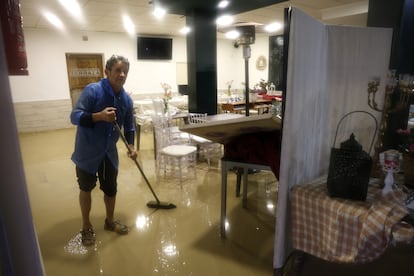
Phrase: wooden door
(82,70)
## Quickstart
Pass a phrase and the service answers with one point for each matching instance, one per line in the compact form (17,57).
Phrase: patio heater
(247,37)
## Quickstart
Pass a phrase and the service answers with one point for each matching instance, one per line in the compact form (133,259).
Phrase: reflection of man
(95,154)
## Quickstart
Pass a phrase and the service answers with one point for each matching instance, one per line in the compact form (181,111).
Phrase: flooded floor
(181,241)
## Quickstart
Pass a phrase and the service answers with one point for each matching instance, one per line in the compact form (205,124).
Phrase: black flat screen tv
(154,48)
(183,89)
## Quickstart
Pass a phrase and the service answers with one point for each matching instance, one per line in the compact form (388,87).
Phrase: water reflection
(142,222)
(75,246)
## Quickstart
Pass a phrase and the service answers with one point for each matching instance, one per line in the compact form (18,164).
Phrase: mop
(157,204)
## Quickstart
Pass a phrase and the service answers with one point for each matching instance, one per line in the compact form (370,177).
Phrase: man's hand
(108,115)
(132,153)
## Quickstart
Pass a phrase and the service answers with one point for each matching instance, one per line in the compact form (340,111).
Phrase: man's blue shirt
(96,140)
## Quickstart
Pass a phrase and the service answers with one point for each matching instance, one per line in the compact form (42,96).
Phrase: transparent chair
(206,148)
(159,107)
(166,118)
(174,153)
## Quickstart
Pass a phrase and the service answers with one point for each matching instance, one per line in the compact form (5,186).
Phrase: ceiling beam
(181,7)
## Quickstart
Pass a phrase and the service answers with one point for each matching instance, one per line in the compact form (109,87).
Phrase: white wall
(42,99)
(46,59)
(230,63)
(48,80)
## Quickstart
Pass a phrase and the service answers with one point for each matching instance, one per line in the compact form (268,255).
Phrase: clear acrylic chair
(206,148)
(166,120)
(159,106)
(174,153)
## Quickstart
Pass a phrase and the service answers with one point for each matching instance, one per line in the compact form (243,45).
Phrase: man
(95,155)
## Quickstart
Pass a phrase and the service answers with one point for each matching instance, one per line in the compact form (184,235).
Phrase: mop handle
(118,129)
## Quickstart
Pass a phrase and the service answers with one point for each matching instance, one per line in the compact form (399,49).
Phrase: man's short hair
(114,59)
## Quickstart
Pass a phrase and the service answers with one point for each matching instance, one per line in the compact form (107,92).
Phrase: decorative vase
(408,166)
(165,106)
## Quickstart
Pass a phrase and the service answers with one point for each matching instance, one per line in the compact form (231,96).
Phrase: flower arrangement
(167,95)
(263,84)
(261,87)
(406,143)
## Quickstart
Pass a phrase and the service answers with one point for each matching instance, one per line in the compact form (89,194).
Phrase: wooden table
(261,105)
(257,135)
(222,128)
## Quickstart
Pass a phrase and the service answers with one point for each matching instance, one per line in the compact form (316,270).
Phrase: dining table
(344,230)
(249,142)
(259,105)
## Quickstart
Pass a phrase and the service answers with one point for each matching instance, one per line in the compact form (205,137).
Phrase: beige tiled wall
(42,115)
(51,115)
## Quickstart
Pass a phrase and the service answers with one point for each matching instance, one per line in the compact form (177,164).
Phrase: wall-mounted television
(183,89)
(154,48)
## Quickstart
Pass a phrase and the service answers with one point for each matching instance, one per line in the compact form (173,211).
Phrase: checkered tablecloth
(347,231)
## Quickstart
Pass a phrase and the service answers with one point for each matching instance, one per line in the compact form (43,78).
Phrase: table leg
(245,174)
(223,199)
(138,134)
(239,172)
(155,143)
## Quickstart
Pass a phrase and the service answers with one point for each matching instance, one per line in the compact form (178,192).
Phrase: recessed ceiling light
(273,27)
(159,12)
(232,34)
(223,4)
(224,20)
(128,25)
(185,30)
(53,19)
(72,6)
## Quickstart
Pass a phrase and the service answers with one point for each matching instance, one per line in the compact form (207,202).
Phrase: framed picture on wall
(261,63)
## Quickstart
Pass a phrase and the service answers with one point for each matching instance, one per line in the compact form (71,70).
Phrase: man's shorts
(107,175)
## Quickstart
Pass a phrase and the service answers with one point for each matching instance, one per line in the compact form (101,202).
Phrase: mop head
(160,205)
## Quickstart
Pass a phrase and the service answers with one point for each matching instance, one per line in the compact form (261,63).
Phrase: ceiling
(106,15)
(233,7)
